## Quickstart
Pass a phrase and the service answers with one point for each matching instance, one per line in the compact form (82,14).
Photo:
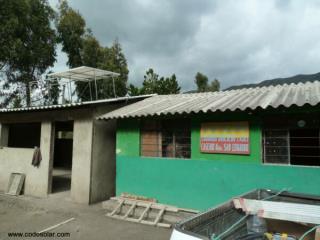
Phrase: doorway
(62,157)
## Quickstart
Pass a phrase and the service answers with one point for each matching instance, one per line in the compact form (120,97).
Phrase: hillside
(279,81)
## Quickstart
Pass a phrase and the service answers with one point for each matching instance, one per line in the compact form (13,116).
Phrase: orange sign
(225,137)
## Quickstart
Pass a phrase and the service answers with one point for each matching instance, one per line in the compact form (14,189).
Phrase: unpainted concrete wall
(4,135)
(81,160)
(18,160)
(103,170)
(93,160)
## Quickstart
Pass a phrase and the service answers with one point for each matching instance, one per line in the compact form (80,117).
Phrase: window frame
(289,164)
(36,129)
(159,130)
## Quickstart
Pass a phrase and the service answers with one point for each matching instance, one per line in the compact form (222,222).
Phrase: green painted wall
(201,184)
(128,138)
(204,180)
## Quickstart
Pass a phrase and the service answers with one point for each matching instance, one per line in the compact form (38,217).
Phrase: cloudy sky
(234,41)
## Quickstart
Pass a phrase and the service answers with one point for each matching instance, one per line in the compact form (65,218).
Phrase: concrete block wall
(103,170)
(93,161)
(4,134)
(93,164)
(18,160)
(81,160)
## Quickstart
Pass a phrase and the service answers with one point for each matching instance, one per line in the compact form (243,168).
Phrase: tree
(169,85)
(91,52)
(214,85)
(83,48)
(8,92)
(203,85)
(114,60)
(9,12)
(201,82)
(71,28)
(153,84)
(91,55)
(150,83)
(28,45)
(133,90)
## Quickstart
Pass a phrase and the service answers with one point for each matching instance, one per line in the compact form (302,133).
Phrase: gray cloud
(234,41)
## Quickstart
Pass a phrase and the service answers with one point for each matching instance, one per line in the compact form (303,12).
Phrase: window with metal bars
(296,146)
(166,138)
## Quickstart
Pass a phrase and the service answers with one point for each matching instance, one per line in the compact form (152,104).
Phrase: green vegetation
(203,85)
(83,49)
(33,30)
(29,49)
(154,84)
(27,46)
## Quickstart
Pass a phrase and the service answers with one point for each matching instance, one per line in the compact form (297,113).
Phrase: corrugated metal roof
(73,105)
(84,73)
(242,99)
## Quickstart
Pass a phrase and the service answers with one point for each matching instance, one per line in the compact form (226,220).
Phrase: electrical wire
(309,231)
(277,194)
(230,228)
(244,217)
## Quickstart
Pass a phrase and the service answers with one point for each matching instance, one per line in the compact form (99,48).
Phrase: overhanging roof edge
(71,105)
(250,99)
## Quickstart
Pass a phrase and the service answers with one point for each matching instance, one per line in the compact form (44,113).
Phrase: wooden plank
(141,203)
(117,217)
(117,208)
(130,210)
(159,204)
(159,216)
(165,225)
(130,219)
(148,206)
(144,212)
(294,212)
(188,210)
(137,197)
(15,184)
(57,225)
(150,143)
(151,223)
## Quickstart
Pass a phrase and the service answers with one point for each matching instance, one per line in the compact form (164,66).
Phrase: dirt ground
(32,215)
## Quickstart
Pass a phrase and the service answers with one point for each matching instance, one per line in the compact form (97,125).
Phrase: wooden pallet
(148,206)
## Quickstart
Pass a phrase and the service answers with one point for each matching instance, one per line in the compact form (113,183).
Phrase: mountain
(280,81)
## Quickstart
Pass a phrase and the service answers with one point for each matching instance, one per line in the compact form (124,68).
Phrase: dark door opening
(62,157)
(305,147)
